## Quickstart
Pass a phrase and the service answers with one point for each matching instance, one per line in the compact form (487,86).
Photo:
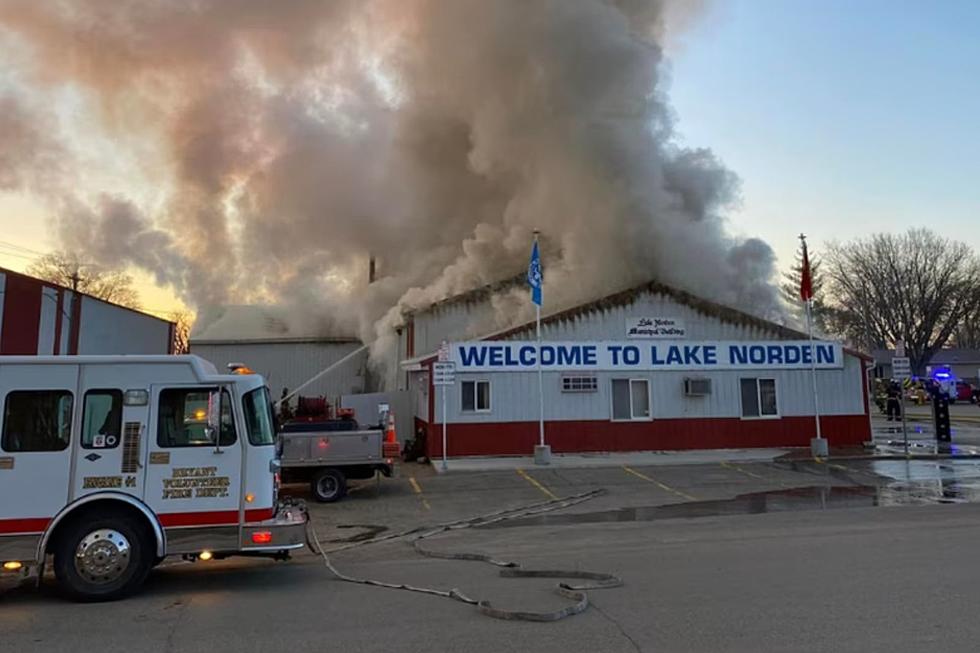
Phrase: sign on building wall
(655,327)
(663,355)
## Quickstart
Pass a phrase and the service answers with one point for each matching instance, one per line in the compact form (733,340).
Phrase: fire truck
(109,464)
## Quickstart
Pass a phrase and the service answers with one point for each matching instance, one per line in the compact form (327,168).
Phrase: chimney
(372,269)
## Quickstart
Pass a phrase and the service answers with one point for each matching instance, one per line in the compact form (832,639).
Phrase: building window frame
(476,383)
(579,383)
(758,380)
(633,416)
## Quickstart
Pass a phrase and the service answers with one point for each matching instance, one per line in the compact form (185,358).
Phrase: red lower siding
(519,438)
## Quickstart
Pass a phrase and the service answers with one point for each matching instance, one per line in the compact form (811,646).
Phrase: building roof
(624,298)
(260,324)
(950,356)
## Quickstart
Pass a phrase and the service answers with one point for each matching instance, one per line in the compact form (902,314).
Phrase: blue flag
(534,277)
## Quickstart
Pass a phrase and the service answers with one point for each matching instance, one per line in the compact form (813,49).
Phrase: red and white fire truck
(111,463)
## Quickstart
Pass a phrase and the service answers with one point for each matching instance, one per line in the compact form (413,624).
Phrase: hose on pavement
(574,592)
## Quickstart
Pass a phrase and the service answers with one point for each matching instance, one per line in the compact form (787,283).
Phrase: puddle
(796,499)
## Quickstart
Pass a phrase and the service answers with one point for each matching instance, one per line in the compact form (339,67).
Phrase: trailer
(326,454)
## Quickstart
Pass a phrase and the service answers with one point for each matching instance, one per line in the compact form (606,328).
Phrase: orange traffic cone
(391,449)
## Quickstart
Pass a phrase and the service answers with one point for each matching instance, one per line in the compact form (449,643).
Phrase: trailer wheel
(102,559)
(328,485)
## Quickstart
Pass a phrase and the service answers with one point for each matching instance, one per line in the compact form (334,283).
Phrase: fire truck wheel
(102,559)
(328,485)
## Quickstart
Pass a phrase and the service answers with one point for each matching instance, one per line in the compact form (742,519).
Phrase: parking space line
(662,486)
(530,479)
(738,469)
(418,490)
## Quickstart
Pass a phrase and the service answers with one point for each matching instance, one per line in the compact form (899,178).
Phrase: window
(476,396)
(759,398)
(102,419)
(630,399)
(184,415)
(37,420)
(579,384)
(258,417)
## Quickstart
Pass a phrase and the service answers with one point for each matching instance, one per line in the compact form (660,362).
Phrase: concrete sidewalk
(617,459)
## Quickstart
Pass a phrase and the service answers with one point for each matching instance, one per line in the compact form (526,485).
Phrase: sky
(841,118)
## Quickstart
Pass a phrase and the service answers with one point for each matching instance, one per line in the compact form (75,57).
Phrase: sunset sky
(840,118)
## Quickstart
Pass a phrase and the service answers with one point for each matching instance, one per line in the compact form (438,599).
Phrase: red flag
(806,279)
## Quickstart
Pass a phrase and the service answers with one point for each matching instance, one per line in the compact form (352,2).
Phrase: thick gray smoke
(274,145)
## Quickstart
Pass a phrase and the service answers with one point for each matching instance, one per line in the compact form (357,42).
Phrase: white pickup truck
(325,454)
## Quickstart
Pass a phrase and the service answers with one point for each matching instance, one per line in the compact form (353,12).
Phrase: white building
(650,368)
(259,337)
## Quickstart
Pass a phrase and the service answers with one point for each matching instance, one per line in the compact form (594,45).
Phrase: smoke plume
(259,151)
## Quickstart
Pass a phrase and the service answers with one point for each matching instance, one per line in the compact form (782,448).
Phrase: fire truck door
(193,473)
(112,432)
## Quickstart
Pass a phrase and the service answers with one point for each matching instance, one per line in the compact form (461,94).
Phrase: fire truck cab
(111,463)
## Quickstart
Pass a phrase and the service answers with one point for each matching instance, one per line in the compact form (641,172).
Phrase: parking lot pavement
(788,555)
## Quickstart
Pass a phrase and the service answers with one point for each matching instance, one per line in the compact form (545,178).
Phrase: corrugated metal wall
(513,395)
(109,329)
(289,364)
(40,318)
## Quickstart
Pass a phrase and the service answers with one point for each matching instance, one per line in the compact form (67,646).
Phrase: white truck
(111,463)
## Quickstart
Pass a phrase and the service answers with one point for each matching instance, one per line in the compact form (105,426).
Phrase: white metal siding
(48,322)
(109,329)
(290,364)
(513,395)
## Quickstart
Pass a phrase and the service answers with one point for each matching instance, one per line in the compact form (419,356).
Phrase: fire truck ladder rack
(573,592)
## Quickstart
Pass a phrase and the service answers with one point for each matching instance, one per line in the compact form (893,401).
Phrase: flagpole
(818,446)
(813,369)
(537,329)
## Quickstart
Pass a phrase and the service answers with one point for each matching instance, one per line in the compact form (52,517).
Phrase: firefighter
(894,408)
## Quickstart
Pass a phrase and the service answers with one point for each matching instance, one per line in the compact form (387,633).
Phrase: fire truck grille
(131,447)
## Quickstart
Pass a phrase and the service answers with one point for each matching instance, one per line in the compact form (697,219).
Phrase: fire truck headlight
(205,556)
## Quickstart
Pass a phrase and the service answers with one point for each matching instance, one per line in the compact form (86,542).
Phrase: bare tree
(967,334)
(182,331)
(916,287)
(63,268)
(789,289)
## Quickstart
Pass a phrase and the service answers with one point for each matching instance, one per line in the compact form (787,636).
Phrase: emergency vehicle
(111,463)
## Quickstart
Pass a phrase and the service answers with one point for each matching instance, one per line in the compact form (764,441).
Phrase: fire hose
(574,592)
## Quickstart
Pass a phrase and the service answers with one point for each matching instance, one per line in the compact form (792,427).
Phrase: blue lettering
(496,356)
(631,355)
(825,354)
(654,359)
(691,355)
(674,356)
(589,355)
(710,354)
(807,355)
(509,359)
(569,356)
(473,356)
(547,355)
(614,350)
(737,354)
(792,354)
(527,356)
(757,354)
(775,355)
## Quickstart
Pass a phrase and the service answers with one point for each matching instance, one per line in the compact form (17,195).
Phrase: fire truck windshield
(258,417)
